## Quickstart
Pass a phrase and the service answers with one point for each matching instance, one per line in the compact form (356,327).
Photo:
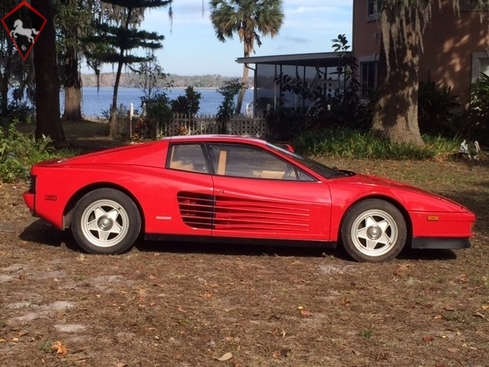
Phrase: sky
(190,46)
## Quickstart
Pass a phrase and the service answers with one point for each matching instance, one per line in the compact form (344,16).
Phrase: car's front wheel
(106,221)
(373,230)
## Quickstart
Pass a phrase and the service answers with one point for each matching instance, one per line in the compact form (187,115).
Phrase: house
(456,46)
(317,69)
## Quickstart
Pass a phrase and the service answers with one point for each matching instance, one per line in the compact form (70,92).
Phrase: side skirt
(240,241)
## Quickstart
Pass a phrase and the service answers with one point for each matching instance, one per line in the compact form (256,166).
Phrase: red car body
(176,199)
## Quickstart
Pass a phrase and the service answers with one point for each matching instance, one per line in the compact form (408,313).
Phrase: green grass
(354,144)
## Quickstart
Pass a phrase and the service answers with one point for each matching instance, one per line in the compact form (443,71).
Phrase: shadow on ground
(44,234)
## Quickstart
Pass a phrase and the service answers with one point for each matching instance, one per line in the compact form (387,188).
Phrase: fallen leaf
(225,357)
(428,338)
(438,317)
(306,313)
(485,307)
(453,350)
(401,269)
(60,348)
(463,278)
(285,352)
(448,308)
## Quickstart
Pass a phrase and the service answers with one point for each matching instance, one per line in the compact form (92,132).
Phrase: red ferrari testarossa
(237,189)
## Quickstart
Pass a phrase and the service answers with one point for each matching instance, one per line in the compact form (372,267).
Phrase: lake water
(95,103)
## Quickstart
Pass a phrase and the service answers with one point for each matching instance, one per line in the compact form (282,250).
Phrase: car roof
(214,138)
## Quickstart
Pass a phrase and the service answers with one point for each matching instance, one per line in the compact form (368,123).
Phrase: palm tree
(249,19)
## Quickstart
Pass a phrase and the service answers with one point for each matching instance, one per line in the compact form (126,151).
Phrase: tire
(106,221)
(373,230)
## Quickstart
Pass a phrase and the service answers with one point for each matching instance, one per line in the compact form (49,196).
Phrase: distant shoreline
(133,80)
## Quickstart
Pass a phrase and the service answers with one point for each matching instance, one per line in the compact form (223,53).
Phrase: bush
(18,152)
(188,104)
(438,110)
(477,117)
(158,110)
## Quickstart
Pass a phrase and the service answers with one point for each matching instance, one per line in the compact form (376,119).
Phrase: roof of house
(321,59)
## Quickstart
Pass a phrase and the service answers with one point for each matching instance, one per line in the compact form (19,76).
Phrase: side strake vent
(196,209)
(258,215)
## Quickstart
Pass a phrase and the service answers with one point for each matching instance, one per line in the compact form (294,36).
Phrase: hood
(411,197)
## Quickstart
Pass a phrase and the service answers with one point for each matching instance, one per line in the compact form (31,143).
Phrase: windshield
(317,167)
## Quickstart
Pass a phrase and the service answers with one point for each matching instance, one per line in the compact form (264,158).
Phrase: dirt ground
(188,305)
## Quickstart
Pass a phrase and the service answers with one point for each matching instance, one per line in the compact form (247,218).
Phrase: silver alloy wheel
(104,223)
(374,232)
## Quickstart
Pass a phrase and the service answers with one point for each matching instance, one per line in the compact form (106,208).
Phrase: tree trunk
(72,86)
(114,125)
(6,78)
(242,91)
(48,121)
(72,112)
(396,111)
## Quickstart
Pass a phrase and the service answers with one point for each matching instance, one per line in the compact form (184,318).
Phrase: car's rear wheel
(373,230)
(106,221)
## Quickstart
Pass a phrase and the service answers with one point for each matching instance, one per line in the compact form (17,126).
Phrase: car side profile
(237,189)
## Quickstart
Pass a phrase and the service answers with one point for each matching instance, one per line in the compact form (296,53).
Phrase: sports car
(221,188)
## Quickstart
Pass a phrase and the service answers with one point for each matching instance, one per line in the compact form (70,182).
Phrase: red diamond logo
(24,24)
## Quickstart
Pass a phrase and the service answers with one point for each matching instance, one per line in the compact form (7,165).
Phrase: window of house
(373,8)
(368,78)
(480,64)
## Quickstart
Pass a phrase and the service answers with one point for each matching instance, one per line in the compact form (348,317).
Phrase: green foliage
(339,108)
(349,143)
(438,109)
(158,110)
(188,104)
(19,112)
(226,110)
(477,119)
(246,19)
(18,152)
(151,78)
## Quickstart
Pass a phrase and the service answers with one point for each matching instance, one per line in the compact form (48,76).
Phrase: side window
(187,157)
(249,162)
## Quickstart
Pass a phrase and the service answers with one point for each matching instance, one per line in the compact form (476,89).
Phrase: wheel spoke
(113,214)
(98,212)
(371,244)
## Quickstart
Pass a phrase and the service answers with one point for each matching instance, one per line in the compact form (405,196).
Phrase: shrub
(438,110)
(477,117)
(188,104)
(158,110)
(18,152)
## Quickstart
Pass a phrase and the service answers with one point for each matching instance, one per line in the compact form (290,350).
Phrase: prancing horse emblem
(24,15)
(18,29)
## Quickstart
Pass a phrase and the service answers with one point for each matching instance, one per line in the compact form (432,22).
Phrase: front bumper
(439,243)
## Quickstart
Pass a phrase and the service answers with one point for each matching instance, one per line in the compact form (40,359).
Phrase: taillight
(32,185)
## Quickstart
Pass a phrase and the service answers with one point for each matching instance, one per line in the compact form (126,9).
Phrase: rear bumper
(29,199)
(439,243)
